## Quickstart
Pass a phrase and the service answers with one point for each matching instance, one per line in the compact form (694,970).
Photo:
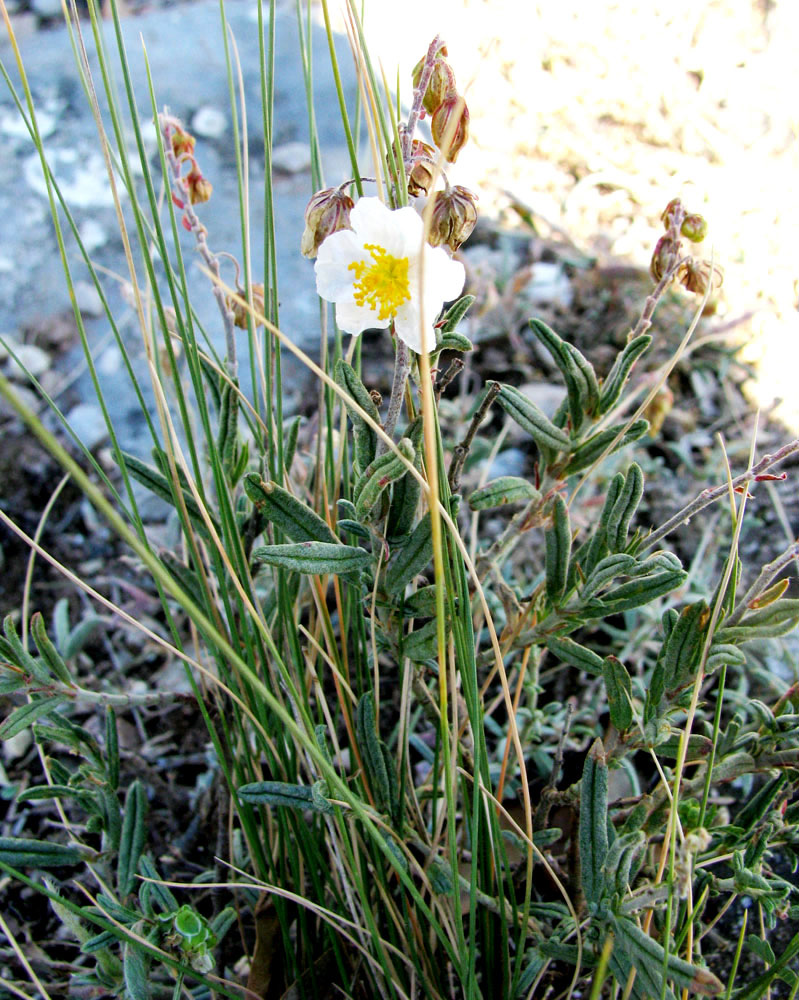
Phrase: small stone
(510,462)
(546,396)
(17,746)
(29,357)
(86,421)
(92,234)
(12,125)
(46,9)
(292,157)
(88,299)
(548,285)
(209,122)
(110,361)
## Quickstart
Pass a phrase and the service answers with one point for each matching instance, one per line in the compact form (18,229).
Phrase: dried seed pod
(697,275)
(440,84)
(328,212)
(451,117)
(664,256)
(198,186)
(240,312)
(454,217)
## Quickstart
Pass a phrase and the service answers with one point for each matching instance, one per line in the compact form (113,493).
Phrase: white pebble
(88,299)
(209,122)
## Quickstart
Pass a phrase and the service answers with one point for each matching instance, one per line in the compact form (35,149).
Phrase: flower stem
(418,97)
(402,367)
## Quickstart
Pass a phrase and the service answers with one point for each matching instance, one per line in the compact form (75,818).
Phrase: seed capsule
(440,84)
(694,228)
(452,110)
(454,217)
(328,212)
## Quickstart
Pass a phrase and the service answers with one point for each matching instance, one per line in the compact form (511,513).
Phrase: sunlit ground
(597,115)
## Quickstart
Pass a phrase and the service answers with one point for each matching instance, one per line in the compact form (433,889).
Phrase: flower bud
(663,257)
(440,85)
(452,109)
(697,275)
(421,168)
(241,313)
(328,211)
(694,228)
(199,187)
(454,217)
(182,141)
(674,207)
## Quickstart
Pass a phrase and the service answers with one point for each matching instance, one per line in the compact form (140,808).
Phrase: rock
(31,358)
(546,396)
(88,299)
(47,10)
(86,421)
(83,179)
(209,122)
(548,285)
(511,462)
(12,125)
(292,157)
(92,234)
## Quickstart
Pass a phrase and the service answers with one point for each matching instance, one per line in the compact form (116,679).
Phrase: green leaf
(20,852)
(375,756)
(594,822)
(589,451)
(620,372)
(133,837)
(623,510)
(136,970)
(620,692)
(11,649)
(379,475)
(365,438)
(47,650)
(422,643)
(774,620)
(26,715)
(568,369)
(160,892)
(455,313)
(558,539)
(410,559)
(158,484)
(502,491)
(624,853)
(284,794)
(293,517)
(648,954)
(315,558)
(406,490)
(683,647)
(532,420)
(574,654)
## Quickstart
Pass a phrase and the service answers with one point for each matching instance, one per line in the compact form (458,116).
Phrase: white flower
(372,272)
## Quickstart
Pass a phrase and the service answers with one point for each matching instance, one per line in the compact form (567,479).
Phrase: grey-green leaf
(593,822)
(133,837)
(502,491)
(315,558)
(294,518)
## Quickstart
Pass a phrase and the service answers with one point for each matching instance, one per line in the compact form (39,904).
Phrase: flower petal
(352,318)
(333,274)
(408,326)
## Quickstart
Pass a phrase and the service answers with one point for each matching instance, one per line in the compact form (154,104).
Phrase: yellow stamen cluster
(383,284)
